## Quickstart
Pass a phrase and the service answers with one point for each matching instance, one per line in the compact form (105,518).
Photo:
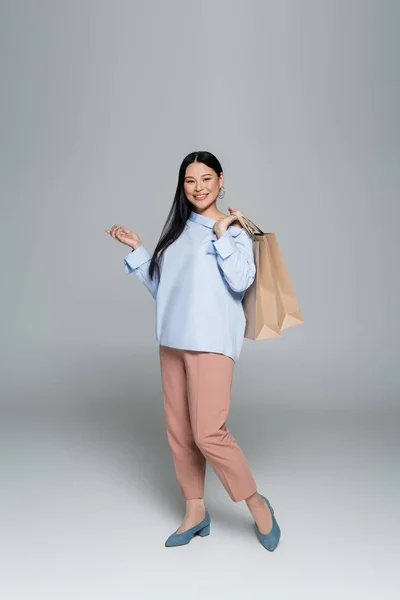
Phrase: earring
(221,193)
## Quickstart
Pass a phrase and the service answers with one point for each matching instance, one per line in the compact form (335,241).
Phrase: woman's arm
(138,262)
(236,259)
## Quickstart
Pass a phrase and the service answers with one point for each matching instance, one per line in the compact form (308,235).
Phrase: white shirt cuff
(225,245)
(136,258)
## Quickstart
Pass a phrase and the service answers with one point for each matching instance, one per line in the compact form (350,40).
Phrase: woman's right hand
(125,236)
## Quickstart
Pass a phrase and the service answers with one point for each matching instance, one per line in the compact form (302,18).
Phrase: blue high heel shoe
(269,540)
(179,539)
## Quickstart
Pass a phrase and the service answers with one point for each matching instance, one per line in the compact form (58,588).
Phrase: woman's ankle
(254,499)
(195,504)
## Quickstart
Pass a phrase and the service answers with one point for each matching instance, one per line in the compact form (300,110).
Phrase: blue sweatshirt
(202,283)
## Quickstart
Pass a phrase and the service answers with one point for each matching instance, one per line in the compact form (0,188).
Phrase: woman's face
(201,185)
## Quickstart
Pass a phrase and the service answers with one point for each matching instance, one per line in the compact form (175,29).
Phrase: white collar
(208,222)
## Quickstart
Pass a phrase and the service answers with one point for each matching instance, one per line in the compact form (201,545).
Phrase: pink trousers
(196,389)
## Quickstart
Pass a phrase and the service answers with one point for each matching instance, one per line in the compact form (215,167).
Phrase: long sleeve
(236,259)
(138,262)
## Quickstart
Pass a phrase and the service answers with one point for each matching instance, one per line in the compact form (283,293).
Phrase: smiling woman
(202,186)
(199,272)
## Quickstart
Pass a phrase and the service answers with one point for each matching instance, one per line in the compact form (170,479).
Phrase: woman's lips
(201,196)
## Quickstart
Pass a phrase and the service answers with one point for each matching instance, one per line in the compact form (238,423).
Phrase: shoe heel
(205,531)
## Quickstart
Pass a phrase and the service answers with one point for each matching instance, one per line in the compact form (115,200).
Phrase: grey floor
(89,496)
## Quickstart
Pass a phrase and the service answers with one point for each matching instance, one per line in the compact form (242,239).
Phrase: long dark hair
(181,207)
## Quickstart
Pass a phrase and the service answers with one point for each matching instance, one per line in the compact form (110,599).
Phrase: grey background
(100,103)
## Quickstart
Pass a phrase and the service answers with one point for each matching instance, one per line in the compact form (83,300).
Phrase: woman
(198,274)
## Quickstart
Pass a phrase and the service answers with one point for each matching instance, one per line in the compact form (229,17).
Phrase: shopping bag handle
(252,229)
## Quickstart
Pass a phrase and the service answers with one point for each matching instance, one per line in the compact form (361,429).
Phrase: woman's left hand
(222,224)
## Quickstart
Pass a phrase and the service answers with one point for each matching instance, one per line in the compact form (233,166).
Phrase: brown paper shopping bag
(270,303)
